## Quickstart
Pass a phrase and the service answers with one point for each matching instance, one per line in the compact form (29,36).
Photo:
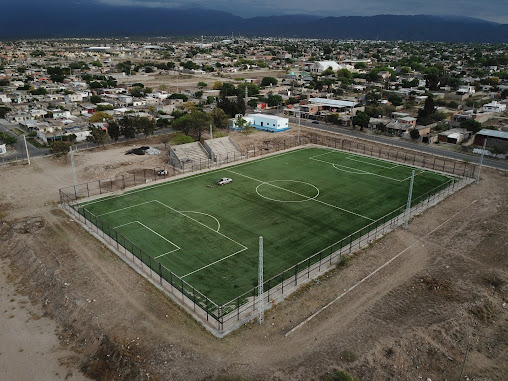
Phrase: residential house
(494,106)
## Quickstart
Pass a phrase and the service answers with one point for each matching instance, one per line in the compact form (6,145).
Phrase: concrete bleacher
(224,149)
(183,155)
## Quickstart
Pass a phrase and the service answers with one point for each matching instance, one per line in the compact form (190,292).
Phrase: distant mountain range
(93,20)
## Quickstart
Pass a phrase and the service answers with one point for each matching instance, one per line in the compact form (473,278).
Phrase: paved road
(19,152)
(422,147)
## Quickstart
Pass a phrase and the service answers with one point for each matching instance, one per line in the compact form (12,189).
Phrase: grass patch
(36,144)
(339,376)
(348,356)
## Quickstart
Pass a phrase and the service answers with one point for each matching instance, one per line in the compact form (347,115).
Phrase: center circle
(287,191)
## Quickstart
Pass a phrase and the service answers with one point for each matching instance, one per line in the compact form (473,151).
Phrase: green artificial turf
(301,202)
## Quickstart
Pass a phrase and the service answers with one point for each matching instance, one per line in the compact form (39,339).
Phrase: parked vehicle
(224,180)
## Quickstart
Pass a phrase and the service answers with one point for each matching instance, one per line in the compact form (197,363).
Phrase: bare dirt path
(413,319)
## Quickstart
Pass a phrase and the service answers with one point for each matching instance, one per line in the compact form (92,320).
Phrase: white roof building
(494,107)
(321,66)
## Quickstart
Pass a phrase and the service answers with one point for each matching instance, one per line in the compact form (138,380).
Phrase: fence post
(308,268)
(320,254)
(238,308)
(350,243)
(296,274)
(160,273)
(283,282)
(181,281)
(194,298)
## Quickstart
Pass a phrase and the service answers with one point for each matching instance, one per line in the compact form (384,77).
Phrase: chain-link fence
(222,319)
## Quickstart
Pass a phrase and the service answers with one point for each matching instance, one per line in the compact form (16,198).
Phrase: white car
(224,180)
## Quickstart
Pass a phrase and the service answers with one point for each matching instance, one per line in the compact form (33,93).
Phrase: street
(422,147)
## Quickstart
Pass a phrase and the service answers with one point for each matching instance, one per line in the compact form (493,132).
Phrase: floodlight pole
(481,161)
(74,172)
(261,306)
(211,143)
(299,120)
(26,148)
(408,207)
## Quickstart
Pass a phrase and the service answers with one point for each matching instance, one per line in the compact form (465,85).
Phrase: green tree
(114,131)
(3,111)
(269,81)
(39,91)
(471,125)
(95,99)
(242,125)
(127,127)
(219,118)
(202,84)
(344,73)
(145,125)
(360,65)
(361,119)
(414,133)
(100,116)
(228,89)
(196,122)
(59,148)
(97,136)
(7,138)
(395,100)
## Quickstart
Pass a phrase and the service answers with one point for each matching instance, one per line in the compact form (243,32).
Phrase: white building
(494,107)
(321,66)
(265,122)
(71,98)
(3,149)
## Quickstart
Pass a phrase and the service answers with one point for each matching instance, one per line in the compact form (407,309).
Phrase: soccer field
(300,201)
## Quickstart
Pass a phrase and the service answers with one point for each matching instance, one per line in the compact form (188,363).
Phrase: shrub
(181,139)
(339,376)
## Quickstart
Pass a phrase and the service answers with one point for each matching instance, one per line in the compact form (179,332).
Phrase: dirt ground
(413,319)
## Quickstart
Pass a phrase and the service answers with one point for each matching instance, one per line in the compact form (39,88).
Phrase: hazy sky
(492,10)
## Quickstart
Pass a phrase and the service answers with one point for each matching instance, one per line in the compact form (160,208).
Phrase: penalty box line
(301,195)
(359,171)
(154,232)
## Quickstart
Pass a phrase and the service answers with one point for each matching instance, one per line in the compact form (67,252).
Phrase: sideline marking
(301,195)
(372,274)
(213,263)
(154,232)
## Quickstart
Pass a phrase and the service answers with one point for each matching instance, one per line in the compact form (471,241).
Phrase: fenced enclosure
(221,318)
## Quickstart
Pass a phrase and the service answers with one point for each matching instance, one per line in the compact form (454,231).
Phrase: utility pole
(481,161)
(261,307)
(246,95)
(74,172)
(299,119)
(26,148)
(211,143)
(408,207)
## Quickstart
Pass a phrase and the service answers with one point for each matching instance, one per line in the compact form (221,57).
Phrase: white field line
(127,207)
(205,214)
(188,178)
(301,195)
(213,263)
(153,231)
(371,274)
(202,224)
(366,162)
(169,252)
(128,223)
(335,165)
